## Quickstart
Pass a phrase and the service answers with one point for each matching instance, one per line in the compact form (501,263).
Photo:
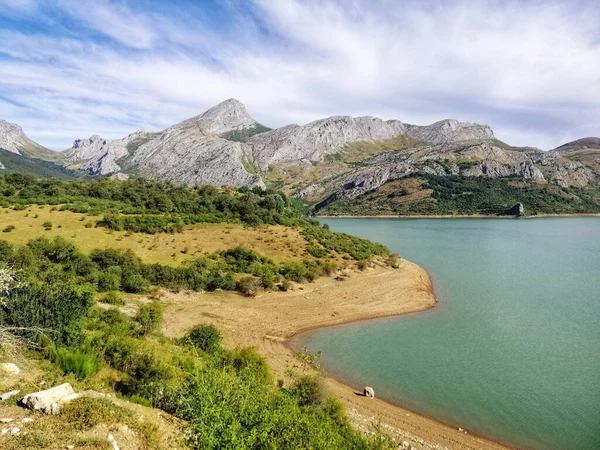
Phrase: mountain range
(336,160)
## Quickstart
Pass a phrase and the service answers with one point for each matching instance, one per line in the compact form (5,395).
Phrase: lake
(511,351)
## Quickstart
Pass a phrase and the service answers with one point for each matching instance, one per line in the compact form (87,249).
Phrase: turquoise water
(512,351)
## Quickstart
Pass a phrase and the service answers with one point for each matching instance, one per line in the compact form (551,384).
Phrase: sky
(73,68)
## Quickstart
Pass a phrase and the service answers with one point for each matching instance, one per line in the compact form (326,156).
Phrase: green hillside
(14,163)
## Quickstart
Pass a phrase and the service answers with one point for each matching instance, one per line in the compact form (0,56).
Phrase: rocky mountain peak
(450,131)
(229,115)
(12,137)
(94,140)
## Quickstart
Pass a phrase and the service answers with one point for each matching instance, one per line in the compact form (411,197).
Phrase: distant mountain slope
(11,162)
(335,160)
(14,140)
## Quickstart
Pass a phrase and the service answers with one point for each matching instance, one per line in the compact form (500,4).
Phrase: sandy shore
(268,321)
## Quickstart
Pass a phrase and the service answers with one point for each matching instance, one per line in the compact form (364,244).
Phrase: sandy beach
(270,320)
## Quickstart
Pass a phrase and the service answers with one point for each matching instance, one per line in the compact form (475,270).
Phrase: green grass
(82,365)
(24,164)
(245,134)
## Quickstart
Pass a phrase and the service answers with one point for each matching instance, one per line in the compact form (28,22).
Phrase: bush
(47,225)
(112,298)
(309,390)
(149,317)
(87,412)
(249,286)
(83,365)
(8,229)
(204,337)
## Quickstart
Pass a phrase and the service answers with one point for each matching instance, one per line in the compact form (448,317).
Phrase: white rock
(6,420)
(369,392)
(26,420)
(9,394)
(5,430)
(113,441)
(15,430)
(49,400)
(10,368)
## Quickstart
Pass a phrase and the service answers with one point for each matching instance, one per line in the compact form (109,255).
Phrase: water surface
(512,351)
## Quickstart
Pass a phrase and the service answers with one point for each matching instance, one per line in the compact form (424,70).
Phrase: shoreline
(270,322)
(450,216)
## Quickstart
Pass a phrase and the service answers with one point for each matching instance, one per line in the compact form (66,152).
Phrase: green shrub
(205,337)
(149,317)
(85,413)
(249,286)
(112,298)
(8,229)
(47,225)
(82,365)
(309,390)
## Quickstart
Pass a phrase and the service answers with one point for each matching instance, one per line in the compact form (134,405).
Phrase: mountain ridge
(338,157)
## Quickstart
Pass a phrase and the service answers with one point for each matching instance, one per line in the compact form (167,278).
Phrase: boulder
(517,210)
(9,394)
(10,368)
(369,392)
(49,401)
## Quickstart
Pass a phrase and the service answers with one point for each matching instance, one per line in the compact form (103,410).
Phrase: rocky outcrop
(50,400)
(207,149)
(230,115)
(517,210)
(310,143)
(10,368)
(99,156)
(450,131)
(184,154)
(13,139)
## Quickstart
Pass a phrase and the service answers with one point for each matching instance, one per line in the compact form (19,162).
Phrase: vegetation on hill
(227,397)
(454,195)
(23,164)
(244,134)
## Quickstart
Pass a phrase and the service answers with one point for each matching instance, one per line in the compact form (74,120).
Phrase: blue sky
(72,68)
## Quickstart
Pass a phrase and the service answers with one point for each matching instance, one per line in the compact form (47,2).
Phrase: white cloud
(530,70)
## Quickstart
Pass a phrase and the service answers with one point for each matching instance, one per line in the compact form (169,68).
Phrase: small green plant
(309,358)
(82,365)
(87,412)
(47,225)
(149,317)
(112,298)
(205,337)
(8,229)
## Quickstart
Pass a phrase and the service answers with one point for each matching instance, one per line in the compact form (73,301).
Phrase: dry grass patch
(274,241)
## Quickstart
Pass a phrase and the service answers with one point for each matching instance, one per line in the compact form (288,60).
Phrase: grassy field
(274,241)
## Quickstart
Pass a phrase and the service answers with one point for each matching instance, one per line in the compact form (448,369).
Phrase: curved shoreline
(269,321)
(292,347)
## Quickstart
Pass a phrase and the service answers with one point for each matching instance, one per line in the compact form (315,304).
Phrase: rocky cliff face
(310,143)
(206,150)
(475,159)
(13,139)
(189,152)
(230,115)
(99,156)
(184,154)
(450,131)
